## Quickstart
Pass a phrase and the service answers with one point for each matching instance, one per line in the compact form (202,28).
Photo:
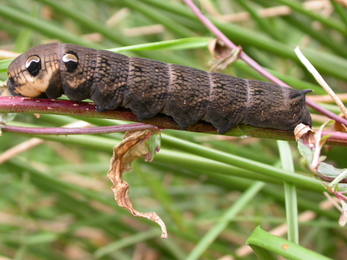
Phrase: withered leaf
(305,133)
(222,55)
(135,144)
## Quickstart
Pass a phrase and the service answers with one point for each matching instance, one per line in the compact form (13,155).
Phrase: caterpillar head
(50,70)
(35,73)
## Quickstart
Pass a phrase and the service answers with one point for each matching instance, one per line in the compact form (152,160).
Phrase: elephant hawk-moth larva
(149,87)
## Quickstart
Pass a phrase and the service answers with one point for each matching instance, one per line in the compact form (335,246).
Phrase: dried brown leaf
(305,133)
(218,50)
(135,145)
(222,55)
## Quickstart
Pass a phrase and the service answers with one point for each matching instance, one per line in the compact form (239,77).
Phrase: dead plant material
(135,145)
(222,55)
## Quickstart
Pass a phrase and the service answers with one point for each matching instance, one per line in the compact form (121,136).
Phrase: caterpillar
(148,87)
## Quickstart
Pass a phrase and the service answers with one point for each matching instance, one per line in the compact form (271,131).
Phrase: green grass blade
(324,62)
(178,44)
(4,65)
(70,11)
(211,235)
(290,193)
(281,246)
(262,23)
(45,28)
(113,247)
(156,16)
(295,5)
(340,10)
(263,254)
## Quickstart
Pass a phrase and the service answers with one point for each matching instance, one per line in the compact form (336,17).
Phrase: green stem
(45,28)
(280,246)
(290,193)
(214,232)
(295,5)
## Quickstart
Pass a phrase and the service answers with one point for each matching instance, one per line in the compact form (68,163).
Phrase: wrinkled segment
(227,101)
(109,80)
(188,95)
(276,107)
(146,87)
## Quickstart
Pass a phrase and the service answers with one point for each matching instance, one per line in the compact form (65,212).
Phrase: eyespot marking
(33,65)
(71,61)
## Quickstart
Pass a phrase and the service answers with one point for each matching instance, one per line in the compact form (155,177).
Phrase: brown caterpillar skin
(149,87)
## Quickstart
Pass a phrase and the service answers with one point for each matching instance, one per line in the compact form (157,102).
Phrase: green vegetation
(211,191)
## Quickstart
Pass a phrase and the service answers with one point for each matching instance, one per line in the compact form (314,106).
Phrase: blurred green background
(55,198)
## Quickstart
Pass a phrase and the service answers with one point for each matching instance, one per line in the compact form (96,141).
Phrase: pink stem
(84,109)
(76,131)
